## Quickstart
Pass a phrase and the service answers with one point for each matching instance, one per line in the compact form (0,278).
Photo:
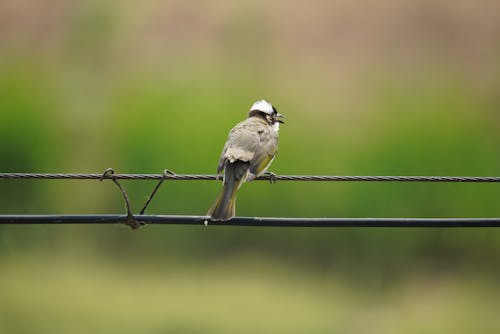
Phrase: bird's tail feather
(224,207)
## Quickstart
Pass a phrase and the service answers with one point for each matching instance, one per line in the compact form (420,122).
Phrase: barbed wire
(272,177)
(136,221)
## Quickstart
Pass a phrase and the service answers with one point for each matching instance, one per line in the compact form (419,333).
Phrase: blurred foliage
(399,88)
(225,296)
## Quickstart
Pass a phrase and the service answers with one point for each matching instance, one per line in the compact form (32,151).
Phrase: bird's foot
(272,176)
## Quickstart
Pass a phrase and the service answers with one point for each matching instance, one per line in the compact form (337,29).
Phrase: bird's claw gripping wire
(272,176)
(166,173)
(130,219)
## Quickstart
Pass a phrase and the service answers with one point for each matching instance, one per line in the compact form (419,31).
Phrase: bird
(249,150)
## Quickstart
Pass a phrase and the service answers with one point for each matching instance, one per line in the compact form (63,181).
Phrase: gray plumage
(255,141)
(248,152)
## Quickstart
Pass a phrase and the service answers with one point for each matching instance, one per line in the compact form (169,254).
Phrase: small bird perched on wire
(249,150)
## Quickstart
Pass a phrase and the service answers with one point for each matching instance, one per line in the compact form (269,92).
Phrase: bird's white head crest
(264,106)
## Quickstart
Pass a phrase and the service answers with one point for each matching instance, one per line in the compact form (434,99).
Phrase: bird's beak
(278,115)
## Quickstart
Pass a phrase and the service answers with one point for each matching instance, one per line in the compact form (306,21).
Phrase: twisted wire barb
(137,220)
(211,177)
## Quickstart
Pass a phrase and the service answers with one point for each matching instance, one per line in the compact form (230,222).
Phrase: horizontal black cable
(95,176)
(246,221)
(254,221)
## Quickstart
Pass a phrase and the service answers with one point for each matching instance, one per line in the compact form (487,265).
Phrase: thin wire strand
(211,177)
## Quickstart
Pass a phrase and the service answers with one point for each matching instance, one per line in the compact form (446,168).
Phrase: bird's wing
(222,160)
(242,142)
(253,141)
(265,152)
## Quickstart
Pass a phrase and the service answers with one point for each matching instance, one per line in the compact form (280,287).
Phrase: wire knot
(165,175)
(130,219)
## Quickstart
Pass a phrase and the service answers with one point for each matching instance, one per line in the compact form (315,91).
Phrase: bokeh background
(387,87)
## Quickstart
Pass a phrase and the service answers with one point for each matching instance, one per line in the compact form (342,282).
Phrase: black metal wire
(254,221)
(193,177)
(136,220)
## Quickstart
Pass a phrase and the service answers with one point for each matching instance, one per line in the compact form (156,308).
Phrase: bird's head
(266,110)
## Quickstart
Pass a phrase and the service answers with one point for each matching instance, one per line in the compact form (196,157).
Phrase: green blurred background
(388,87)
